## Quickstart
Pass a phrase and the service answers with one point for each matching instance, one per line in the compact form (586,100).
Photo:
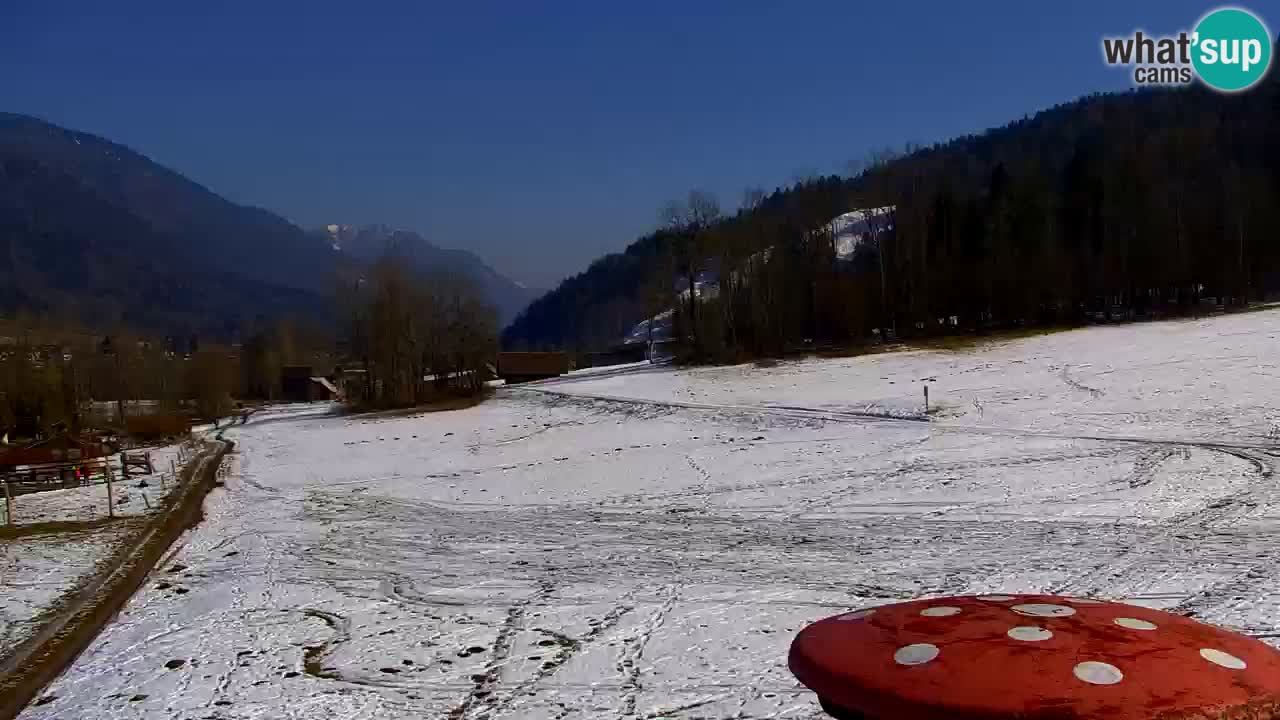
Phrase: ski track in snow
(644,543)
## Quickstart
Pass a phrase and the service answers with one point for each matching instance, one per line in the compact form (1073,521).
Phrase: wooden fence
(41,477)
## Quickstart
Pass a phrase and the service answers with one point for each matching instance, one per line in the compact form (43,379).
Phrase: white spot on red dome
(918,654)
(857,614)
(1226,660)
(1098,673)
(1134,624)
(940,611)
(1044,610)
(1029,633)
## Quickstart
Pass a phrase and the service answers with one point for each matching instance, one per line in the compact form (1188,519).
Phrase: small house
(517,367)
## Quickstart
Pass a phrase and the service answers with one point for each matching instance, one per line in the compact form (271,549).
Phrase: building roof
(325,382)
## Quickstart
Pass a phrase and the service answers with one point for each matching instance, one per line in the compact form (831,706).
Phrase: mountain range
(94,231)
(367,243)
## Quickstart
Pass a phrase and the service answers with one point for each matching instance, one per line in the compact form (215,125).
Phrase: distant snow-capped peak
(339,234)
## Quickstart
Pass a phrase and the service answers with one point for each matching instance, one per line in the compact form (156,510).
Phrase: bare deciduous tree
(416,337)
(691,223)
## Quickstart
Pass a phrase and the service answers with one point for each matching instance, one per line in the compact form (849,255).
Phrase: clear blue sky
(541,134)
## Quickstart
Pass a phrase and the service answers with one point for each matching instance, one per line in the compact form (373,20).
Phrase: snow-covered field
(37,568)
(645,543)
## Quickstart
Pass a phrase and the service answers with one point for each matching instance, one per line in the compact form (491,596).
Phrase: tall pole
(111,498)
(884,297)
(119,390)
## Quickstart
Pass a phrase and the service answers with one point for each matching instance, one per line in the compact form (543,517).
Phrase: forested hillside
(1134,205)
(68,252)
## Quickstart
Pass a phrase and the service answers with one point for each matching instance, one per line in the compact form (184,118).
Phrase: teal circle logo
(1232,49)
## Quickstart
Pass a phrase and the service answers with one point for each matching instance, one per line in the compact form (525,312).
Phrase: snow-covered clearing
(645,543)
(37,568)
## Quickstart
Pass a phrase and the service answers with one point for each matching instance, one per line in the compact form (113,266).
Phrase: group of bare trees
(416,337)
(52,382)
(759,281)
(693,222)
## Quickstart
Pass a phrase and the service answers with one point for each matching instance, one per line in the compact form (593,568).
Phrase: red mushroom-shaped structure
(1033,657)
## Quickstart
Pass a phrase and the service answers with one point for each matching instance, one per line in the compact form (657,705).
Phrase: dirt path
(82,613)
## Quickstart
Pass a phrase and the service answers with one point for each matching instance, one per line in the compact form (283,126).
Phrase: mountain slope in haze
(96,229)
(197,224)
(68,251)
(369,242)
